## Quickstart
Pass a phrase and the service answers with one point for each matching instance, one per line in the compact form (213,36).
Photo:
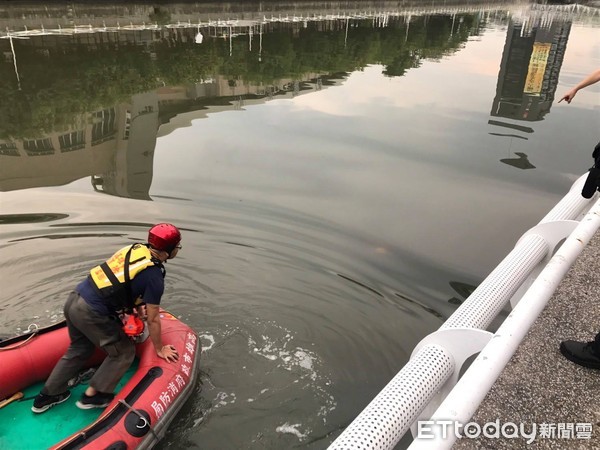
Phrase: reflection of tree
(180,63)
(62,83)
(160,16)
(59,88)
(430,42)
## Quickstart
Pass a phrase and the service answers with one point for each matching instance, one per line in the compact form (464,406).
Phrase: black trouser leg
(88,330)
(106,333)
(597,345)
(79,351)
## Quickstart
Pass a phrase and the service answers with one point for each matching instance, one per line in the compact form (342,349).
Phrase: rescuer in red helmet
(131,279)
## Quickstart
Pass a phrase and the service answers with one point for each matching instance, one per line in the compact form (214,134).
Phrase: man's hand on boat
(169,353)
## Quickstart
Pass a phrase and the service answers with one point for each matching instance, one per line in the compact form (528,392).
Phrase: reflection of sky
(408,162)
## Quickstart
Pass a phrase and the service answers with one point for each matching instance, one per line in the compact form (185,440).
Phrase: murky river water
(342,183)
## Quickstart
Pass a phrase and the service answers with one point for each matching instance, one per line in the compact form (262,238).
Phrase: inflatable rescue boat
(146,401)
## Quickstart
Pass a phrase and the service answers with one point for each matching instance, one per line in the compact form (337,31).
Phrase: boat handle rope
(139,414)
(33,329)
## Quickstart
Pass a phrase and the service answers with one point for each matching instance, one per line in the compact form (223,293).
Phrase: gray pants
(88,330)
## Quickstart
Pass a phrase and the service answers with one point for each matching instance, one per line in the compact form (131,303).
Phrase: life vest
(112,279)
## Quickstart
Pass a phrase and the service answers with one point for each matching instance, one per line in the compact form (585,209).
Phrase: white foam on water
(304,360)
(289,358)
(291,429)
(279,349)
(207,337)
(294,359)
(223,399)
(198,421)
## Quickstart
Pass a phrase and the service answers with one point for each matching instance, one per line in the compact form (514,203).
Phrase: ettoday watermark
(428,429)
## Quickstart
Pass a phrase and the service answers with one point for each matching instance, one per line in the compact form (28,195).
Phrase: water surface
(342,182)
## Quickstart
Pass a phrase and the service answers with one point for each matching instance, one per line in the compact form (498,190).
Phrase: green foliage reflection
(58,83)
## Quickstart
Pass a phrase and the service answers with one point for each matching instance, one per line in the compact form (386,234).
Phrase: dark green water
(342,183)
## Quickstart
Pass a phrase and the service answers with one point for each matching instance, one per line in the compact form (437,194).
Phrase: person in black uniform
(586,354)
(133,278)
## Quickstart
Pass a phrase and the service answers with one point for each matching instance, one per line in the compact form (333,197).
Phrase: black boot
(583,353)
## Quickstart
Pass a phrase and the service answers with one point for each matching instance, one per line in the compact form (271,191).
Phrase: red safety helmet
(164,236)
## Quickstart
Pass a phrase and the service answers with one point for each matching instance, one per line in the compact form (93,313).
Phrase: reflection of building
(115,146)
(131,172)
(57,158)
(180,105)
(529,70)
(528,77)
(520,162)
(116,142)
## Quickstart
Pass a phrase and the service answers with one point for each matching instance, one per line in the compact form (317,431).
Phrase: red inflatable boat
(148,397)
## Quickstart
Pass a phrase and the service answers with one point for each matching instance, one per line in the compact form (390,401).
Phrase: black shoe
(44,402)
(581,353)
(99,400)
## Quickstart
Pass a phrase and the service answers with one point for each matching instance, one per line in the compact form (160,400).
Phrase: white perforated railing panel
(569,208)
(484,304)
(385,420)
